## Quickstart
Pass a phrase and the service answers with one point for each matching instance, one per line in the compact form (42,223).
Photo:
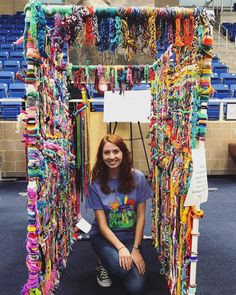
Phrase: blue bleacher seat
(5,32)
(7,77)
(12,21)
(228,78)
(2,38)
(17,90)
(215,58)
(226,26)
(16,55)
(3,90)
(11,65)
(8,27)
(11,39)
(19,47)
(215,79)
(20,26)
(7,46)
(221,91)
(4,55)
(232,34)
(24,65)
(213,111)
(16,32)
(219,67)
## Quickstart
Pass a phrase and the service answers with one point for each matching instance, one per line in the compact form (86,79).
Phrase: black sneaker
(102,276)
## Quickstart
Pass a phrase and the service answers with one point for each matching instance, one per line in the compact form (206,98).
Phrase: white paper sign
(231,111)
(133,106)
(83,225)
(198,190)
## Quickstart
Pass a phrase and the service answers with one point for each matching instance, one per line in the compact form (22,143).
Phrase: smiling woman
(118,195)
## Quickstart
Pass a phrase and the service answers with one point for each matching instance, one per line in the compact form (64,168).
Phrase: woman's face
(112,155)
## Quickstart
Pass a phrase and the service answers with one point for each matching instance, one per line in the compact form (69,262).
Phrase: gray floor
(216,270)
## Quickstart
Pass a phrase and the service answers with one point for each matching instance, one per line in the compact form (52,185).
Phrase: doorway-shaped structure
(180,92)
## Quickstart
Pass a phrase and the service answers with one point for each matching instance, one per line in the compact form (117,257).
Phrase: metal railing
(223,37)
(222,6)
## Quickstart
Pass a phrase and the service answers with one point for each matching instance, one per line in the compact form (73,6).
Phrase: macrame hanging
(181,88)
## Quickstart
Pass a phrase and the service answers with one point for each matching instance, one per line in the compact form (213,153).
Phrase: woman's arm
(125,259)
(140,224)
(136,254)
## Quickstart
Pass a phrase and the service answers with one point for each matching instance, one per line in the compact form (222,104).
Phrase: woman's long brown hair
(100,170)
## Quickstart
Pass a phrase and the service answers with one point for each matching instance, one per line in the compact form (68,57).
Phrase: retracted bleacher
(11,61)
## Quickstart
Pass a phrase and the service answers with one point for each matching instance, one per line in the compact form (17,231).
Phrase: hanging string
(89,31)
(153,33)
(178,39)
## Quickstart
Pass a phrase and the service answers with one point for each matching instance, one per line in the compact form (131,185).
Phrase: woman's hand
(125,259)
(138,260)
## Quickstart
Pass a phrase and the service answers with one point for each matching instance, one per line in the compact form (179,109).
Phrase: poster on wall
(230,111)
(198,189)
(132,106)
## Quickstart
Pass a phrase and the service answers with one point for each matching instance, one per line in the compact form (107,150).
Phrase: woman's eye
(106,153)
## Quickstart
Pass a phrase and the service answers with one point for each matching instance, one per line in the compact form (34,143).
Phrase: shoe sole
(103,284)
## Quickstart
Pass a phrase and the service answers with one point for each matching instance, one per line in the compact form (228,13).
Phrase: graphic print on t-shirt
(122,215)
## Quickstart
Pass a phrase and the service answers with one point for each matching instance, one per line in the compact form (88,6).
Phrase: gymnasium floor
(216,271)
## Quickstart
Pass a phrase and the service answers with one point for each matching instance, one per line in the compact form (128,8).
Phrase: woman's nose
(111,156)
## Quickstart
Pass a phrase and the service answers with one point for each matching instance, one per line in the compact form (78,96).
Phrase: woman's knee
(136,289)
(135,284)
(118,271)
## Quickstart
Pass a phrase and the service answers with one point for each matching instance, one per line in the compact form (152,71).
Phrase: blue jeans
(134,282)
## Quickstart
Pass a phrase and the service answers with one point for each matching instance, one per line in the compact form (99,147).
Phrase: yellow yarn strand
(126,42)
(156,208)
(152,32)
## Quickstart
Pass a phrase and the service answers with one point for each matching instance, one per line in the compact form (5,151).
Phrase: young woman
(118,195)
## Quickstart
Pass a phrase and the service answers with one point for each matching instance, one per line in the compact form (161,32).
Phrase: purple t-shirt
(120,209)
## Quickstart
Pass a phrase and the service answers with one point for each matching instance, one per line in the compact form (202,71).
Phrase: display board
(132,106)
